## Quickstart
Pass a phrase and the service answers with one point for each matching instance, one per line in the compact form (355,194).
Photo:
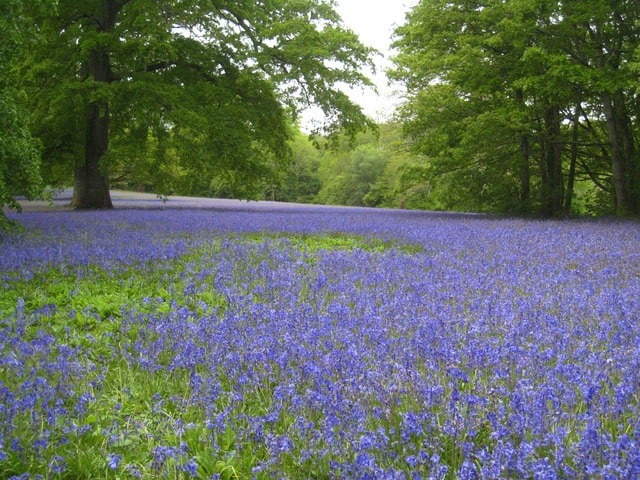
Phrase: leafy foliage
(522,105)
(348,176)
(19,151)
(198,95)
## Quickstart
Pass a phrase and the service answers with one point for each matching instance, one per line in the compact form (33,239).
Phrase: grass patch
(313,243)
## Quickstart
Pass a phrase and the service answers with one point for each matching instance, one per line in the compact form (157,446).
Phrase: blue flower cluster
(503,349)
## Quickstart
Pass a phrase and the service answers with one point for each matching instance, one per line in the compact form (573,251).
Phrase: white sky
(374,22)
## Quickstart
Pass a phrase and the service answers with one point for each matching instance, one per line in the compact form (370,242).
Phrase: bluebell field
(492,348)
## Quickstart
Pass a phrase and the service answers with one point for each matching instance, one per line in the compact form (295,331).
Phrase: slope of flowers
(500,349)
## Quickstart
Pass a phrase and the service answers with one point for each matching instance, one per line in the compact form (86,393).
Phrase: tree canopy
(526,106)
(19,151)
(185,90)
(518,105)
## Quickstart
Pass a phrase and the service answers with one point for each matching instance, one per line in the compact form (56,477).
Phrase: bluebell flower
(411,460)
(160,456)
(57,464)
(113,461)
(367,442)
(512,337)
(365,461)
(191,467)
(134,471)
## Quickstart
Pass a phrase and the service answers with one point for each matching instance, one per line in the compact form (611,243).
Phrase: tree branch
(122,3)
(156,67)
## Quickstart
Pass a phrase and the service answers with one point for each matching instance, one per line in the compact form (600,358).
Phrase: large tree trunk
(91,184)
(624,161)
(91,181)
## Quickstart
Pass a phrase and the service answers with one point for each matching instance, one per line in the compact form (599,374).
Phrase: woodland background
(514,107)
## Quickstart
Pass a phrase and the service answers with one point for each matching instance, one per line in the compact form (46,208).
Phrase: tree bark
(624,161)
(91,183)
(91,180)
(525,159)
(552,179)
(525,175)
(574,160)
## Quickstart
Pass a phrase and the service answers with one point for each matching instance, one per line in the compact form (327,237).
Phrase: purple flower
(113,461)
(161,454)
(367,442)
(504,348)
(191,467)
(411,460)
(365,461)
(57,465)
(134,471)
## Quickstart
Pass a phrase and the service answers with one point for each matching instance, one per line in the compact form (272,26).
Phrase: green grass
(313,243)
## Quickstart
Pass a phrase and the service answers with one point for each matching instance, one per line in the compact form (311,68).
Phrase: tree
(459,62)
(588,54)
(503,97)
(603,38)
(347,176)
(19,151)
(388,189)
(210,85)
(299,182)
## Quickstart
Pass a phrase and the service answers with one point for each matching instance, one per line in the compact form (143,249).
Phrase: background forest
(518,107)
